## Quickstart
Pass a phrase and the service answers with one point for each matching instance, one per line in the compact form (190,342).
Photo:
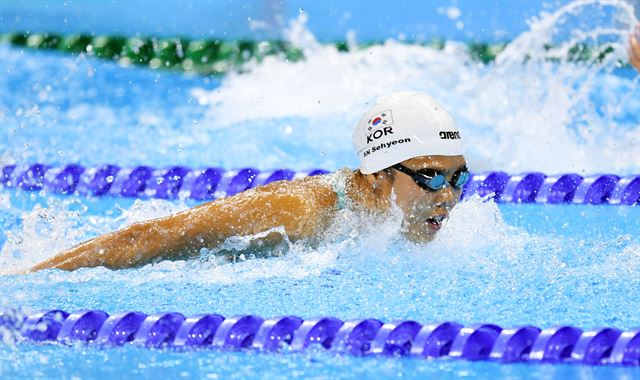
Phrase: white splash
(63,223)
(355,240)
(536,115)
(521,113)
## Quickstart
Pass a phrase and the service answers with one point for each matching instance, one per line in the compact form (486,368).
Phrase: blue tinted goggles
(433,180)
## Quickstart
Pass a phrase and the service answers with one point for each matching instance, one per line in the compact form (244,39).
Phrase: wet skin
(424,210)
(303,208)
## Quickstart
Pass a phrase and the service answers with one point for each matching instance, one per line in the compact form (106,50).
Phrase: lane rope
(181,182)
(215,56)
(484,341)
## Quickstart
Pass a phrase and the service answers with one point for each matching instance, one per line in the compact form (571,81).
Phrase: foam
(477,268)
(355,238)
(60,224)
(520,113)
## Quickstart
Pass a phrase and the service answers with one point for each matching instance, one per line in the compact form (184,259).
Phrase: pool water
(505,264)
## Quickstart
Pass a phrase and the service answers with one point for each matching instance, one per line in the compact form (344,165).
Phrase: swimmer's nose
(446,197)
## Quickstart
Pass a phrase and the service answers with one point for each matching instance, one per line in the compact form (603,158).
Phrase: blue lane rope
(210,183)
(559,344)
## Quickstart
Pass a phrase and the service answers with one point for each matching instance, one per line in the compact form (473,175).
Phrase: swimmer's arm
(301,209)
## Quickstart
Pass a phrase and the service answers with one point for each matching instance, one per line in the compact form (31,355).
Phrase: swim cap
(401,126)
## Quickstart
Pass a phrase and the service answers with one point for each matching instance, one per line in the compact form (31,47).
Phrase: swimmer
(634,48)
(410,153)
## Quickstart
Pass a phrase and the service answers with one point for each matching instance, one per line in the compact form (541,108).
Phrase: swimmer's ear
(381,179)
(378,180)
(384,175)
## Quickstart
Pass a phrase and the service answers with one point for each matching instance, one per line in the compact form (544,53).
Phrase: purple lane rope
(211,183)
(371,337)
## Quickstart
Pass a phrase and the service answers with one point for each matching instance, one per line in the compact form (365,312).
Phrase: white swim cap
(401,126)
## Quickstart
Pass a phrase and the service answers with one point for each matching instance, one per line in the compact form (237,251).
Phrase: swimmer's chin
(423,232)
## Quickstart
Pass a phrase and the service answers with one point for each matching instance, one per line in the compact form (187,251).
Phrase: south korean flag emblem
(381,119)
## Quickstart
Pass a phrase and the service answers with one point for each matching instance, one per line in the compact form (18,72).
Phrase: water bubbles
(43,95)
(489,102)
(362,266)
(14,239)
(453,13)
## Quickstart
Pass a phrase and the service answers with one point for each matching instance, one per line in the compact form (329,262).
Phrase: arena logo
(448,135)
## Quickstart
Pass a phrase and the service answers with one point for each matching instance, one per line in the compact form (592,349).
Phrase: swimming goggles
(433,180)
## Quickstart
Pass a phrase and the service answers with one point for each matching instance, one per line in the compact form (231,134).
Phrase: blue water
(505,264)
(497,20)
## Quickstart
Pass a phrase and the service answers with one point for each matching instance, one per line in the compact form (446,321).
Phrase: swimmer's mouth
(435,223)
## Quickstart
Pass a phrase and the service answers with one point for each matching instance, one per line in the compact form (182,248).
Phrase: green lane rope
(199,56)
(216,57)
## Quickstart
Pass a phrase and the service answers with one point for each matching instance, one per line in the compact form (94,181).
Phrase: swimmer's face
(424,210)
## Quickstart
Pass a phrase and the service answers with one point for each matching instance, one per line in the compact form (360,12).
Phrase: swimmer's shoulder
(320,188)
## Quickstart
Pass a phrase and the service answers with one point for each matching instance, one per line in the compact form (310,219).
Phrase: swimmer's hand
(13,272)
(634,48)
